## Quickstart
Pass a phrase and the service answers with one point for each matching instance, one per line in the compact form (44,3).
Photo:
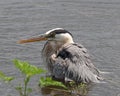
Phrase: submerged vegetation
(56,88)
(46,83)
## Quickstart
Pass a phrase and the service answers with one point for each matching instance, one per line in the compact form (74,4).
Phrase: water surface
(94,23)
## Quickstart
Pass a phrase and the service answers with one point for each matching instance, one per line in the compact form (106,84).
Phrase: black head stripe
(62,31)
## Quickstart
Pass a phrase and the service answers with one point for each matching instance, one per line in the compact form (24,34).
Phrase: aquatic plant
(28,70)
(5,78)
(48,81)
(56,88)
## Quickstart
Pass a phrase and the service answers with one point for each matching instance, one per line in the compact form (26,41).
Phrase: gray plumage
(72,61)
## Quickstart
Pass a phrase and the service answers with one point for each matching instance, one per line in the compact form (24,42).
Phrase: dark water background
(94,23)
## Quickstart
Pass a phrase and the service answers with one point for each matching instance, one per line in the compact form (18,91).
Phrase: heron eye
(52,34)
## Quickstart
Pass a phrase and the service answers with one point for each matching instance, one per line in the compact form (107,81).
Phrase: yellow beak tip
(20,42)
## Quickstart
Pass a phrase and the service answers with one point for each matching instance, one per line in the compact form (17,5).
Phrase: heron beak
(34,39)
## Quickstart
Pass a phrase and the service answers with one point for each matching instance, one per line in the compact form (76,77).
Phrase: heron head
(57,35)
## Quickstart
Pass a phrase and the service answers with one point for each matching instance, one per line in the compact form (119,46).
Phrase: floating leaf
(48,81)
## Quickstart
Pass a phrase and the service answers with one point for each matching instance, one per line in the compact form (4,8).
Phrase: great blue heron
(65,59)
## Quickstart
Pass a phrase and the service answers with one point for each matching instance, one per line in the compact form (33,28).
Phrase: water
(94,23)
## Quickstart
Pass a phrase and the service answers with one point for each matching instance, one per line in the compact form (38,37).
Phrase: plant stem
(26,81)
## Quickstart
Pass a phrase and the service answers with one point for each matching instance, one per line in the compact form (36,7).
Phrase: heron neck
(58,44)
(61,44)
(67,41)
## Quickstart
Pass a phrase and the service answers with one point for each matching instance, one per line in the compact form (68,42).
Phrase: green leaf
(49,82)
(5,78)
(27,69)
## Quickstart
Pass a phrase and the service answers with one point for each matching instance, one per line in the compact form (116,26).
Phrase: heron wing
(73,62)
